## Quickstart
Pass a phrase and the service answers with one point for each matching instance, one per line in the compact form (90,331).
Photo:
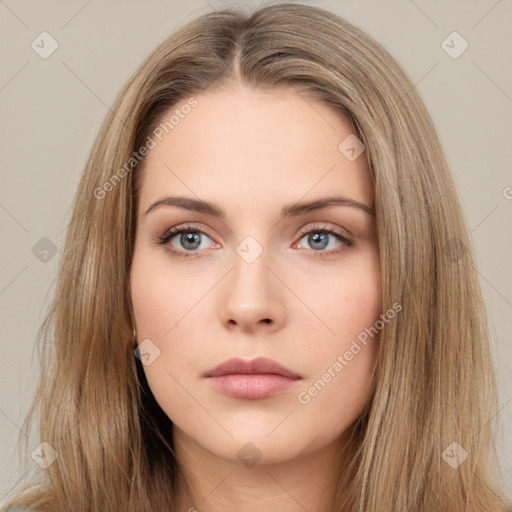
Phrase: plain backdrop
(51,109)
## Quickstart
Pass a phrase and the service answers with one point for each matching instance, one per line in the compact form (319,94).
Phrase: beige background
(52,108)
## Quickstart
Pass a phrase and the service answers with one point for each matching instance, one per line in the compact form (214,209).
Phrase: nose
(252,297)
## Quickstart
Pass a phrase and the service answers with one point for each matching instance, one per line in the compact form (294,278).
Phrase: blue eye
(190,239)
(318,239)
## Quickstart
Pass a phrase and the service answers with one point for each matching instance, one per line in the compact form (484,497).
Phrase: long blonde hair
(434,391)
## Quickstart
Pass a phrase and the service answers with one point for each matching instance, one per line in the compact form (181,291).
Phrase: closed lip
(257,366)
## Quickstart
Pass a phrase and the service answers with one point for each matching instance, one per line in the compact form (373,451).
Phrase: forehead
(252,147)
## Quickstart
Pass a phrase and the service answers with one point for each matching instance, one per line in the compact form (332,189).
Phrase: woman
(321,344)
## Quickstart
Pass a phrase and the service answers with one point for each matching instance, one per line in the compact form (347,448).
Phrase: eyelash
(171,233)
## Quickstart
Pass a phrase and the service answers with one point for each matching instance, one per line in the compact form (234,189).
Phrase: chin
(257,443)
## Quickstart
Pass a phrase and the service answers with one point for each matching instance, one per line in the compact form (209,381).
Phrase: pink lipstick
(251,379)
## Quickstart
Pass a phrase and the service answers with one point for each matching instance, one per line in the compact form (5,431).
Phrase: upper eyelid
(329,226)
(314,226)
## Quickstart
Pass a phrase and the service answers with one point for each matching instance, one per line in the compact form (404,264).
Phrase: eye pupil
(319,237)
(192,238)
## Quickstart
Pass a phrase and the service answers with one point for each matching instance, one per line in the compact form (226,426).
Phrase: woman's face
(255,274)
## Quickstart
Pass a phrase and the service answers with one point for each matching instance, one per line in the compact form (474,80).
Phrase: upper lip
(259,365)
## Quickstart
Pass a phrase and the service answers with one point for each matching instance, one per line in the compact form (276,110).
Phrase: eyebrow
(290,210)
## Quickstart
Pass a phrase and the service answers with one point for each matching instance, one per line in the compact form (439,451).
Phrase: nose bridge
(251,294)
(251,276)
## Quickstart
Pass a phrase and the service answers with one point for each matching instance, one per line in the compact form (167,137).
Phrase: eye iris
(318,237)
(190,237)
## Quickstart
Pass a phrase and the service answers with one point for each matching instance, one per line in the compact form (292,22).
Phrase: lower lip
(251,387)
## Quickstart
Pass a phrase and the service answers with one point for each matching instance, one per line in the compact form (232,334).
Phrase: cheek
(345,301)
(161,294)
(160,302)
(342,360)
(336,395)
(167,302)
